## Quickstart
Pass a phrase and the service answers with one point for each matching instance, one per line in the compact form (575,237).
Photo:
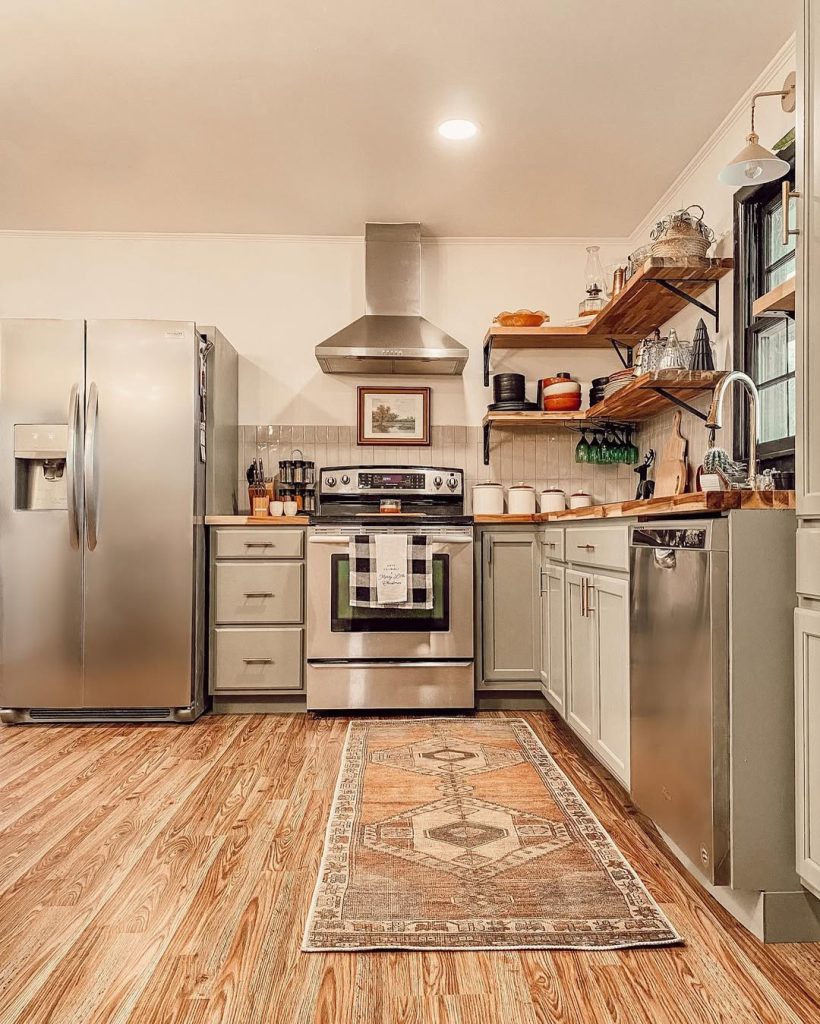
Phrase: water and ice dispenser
(40,466)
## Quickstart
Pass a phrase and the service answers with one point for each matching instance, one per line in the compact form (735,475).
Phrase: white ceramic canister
(553,500)
(521,500)
(488,499)
(580,500)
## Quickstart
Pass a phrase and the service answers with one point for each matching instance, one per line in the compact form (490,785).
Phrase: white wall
(276,298)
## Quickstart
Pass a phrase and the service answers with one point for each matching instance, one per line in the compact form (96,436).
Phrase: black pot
(509,387)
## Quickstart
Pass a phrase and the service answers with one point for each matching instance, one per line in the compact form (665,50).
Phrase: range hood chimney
(392,337)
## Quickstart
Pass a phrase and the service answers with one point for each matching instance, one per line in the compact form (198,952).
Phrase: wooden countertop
(254,521)
(679,504)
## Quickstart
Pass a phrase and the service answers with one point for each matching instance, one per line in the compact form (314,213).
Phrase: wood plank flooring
(162,875)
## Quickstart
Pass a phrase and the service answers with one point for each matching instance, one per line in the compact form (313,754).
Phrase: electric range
(389,657)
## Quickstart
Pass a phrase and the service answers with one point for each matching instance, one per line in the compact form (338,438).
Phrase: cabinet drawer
(604,546)
(260,542)
(258,592)
(257,659)
(553,544)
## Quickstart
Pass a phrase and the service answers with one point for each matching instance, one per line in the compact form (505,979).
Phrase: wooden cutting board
(670,477)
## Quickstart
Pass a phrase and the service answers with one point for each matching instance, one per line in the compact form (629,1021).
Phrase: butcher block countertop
(256,521)
(680,504)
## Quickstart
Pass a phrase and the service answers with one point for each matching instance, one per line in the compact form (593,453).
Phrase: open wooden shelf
(644,396)
(535,418)
(779,299)
(641,398)
(644,303)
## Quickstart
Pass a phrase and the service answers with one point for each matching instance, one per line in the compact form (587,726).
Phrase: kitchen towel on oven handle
(364,578)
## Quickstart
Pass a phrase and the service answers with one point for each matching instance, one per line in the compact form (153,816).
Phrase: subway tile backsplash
(543,458)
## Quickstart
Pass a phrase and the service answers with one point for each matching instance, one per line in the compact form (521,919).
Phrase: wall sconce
(754,164)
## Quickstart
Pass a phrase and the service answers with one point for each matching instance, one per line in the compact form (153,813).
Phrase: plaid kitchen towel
(363,573)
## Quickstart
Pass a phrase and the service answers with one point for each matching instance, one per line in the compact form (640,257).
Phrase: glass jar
(674,355)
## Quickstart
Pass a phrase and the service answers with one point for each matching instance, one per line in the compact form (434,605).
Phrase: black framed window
(764,347)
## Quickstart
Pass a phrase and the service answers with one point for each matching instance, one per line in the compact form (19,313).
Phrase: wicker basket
(682,236)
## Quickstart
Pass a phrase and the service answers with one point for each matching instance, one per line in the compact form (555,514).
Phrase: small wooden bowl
(521,318)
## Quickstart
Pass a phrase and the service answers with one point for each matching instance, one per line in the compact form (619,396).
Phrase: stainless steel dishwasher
(679,641)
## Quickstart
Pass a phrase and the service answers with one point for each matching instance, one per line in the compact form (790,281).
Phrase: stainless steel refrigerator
(116,438)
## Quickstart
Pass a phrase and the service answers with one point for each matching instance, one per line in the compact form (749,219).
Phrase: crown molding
(782,62)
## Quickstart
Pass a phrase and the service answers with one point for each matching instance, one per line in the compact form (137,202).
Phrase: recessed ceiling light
(458,129)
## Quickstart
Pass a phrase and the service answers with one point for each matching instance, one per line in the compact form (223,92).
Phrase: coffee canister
(521,500)
(553,500)
(488,499)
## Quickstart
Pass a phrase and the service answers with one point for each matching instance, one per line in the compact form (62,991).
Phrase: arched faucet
(714,421)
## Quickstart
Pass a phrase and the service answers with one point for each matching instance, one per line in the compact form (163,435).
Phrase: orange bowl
(562,403)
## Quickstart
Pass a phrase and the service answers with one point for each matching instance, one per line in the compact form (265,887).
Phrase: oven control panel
(410,480)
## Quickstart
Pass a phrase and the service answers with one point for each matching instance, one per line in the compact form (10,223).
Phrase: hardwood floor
(156,874)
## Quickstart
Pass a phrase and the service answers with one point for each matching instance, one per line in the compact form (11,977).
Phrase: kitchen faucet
(714,420)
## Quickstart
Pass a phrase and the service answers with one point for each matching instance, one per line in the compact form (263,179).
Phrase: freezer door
(140,469)
(41,392)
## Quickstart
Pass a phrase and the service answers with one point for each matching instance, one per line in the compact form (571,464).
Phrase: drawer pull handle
(586,547)
(551,544)
(258,661)
(259,544)
(259,593)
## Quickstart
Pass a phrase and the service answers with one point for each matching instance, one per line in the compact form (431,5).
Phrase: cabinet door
(610,604)
(553,637)
(511,642)
(581,656)
(807,715)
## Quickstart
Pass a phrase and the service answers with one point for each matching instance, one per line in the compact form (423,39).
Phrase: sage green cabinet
(510,636)
(553,659)
(597,613)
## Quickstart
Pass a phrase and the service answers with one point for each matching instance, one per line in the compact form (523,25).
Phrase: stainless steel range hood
(392,337)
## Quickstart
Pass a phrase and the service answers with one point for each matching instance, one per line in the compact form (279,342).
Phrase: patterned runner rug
(465,834)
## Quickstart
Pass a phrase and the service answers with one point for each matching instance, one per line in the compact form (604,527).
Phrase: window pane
(773,247)
(774,352)
(772,278)
(777,411)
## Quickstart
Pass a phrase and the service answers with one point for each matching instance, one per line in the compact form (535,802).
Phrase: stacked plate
(618,380)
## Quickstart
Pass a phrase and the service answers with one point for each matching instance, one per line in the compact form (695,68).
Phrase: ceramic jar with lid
(553,500)
(488,499)
(580,499)
(521,500)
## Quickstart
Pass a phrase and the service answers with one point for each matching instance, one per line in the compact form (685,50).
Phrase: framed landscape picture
(394,416)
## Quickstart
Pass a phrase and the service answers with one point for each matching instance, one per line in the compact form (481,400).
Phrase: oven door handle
(348,663)
(433,540)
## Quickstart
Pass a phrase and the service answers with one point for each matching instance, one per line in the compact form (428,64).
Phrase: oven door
(339,631)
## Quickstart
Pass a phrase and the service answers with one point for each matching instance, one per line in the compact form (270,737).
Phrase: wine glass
(582,448)
(594,449)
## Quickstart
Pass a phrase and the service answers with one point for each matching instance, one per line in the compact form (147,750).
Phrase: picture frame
(393,416)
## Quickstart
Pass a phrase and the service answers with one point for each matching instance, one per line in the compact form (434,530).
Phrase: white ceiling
(309,117)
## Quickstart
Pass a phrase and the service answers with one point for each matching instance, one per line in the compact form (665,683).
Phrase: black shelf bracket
(667,283)
(488,351)
(487,431)
(671,397)
(623,352)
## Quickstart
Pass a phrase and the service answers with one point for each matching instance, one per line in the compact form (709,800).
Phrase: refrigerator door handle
(71,467)
(90,467)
